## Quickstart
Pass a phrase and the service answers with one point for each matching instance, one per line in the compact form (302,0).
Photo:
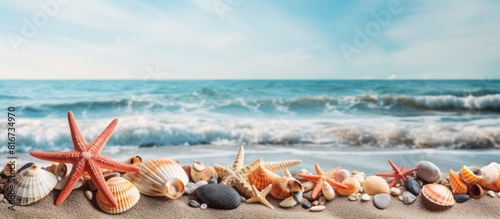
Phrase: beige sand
(78,206)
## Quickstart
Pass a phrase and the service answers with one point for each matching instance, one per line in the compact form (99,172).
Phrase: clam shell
(327,191)
(124,192)
(33,184)
(261,177)
(159,177)
(471,175)
(200,172)
(352,187)
(373,185)
(284,187)
(475,191)
(458,186)
(134,160)
(438,194)
(490,174)
(342,175)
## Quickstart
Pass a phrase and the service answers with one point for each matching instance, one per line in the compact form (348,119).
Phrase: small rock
(189,185)
(397,185)
(400,198)
(498,194)
(314,203)
(204,206)
(306,205)
(187,191)
(462,197)
(288,202)
(194,204)
(361,189)
(365,197)
(88,194)
(218,196)
(317,208)
(395,191)
(428,172)
(412,186)
(243,199)
(308,196)
(297,196)
(381,201)
(4,200)
(322,200)
(308,186)
(408,197)
(491,193)
(212,180)
(353,197)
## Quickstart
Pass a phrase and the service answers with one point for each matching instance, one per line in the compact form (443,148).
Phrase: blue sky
(249,39)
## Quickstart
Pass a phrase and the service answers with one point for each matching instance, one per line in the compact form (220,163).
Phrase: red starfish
(399,174)
(322,177)
(86,158)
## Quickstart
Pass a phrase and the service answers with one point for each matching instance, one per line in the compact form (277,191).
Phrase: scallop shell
(327,191)
(373,185)
(59,169)
(159,177)
(458,186)
(134,160)
(490,174)
(352,187)
(33,184)
(475,191)
(261,177)
(342,175)
(124,192)
(200,172)
(285,186)
(438,194)
(471,175)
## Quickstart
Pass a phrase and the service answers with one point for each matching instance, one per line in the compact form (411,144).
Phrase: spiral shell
(327,191)
(490,174)
(342,175)
(124,192)
(352,187)
(159,177)
(471,175)
(458,186)
(200,172)
(33,184)
(134,160)
(438,194)
(59,169)
(285,186)
(475,191)
(373,185)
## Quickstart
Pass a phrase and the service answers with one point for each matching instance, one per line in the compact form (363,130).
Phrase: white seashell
(288,202)
(89,195)
(33,184)
(124,192)
(490,174)
(308,185)
(317,208)
(159,177)
(365,197)
(342,175)
(328,191)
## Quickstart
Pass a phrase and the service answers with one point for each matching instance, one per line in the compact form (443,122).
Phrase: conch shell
(261,177)
(471,175)
(458,186)
(285,186)
(200,172)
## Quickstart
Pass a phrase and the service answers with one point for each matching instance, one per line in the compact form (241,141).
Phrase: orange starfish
(86,158)
(322,177)
(399,174)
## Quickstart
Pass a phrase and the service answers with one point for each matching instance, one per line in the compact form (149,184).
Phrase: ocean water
(325,114)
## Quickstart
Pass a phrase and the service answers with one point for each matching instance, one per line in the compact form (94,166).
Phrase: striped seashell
(59,169)
(327,191)
(352,187)
(342,175)
(159,177)
(471,175)
(495,186)
(134,160)
(285,186)
(200,172)
(475,191)
(33,184)
(261,177)
(490,174)
(373,185)
(438,194)
(124,192)
(458,186)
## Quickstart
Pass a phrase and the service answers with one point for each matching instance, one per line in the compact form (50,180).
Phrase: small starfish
(260,197)
(86,158)
(399,174)
(321,177)
(237,174)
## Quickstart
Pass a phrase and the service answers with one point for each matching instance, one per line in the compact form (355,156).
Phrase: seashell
(159,177)
(10,168)
(308,186)
(200,172)
(33,184)
(288,202)
(187,169)
(438,194)
(317,208)
(134,160)
(475,191)
(375,185)
(62,182)
(328,191)
(471,175)
(89,195)
(342,175)
(285,186)
(359,177)
(124,192)
(490,174)
(352,187)
(261,177)
(495,186)
(59,169)
(458,186)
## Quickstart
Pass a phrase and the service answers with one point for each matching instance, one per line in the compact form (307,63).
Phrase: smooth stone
(194,204)
(395,191)
(400,198)
(297,196)
(189,185)
(218,196)
(308,196)
(412,186)
(408,197)
(308,186)
(353,197)
(204,206)
(4,200)
(365,197)
(62,183)
(460,198)
(322,200)
(306,204)
(381,201)
(186,191)
(212,180)
(288,202)
(89,195)
(491,193)
(428,172)
(317,208)
(243,199)
(314,203)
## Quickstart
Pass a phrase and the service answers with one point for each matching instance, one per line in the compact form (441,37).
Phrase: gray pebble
(408,197)
(243,199)
(462,198)
(212,180)
(186,191)
(218,196)
(4,200)
(306,205)
(381,201)
(428,172)
(308,196)
(194,204)
(412,186)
